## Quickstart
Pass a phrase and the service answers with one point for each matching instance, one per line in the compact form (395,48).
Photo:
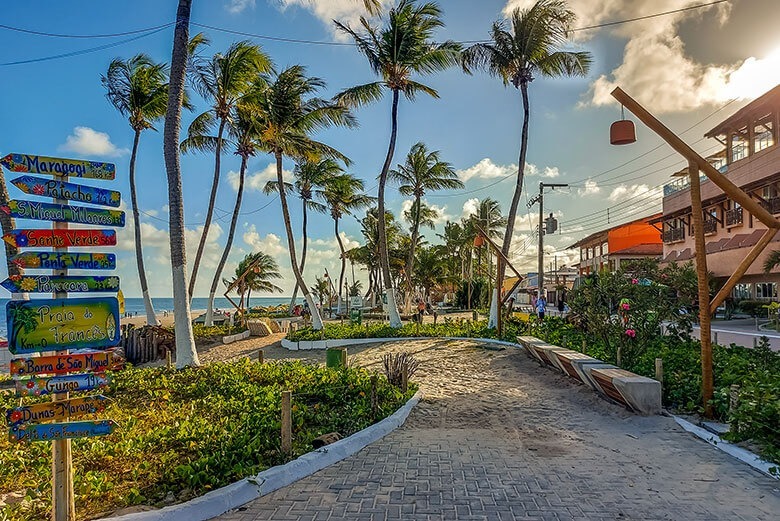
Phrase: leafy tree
(532,46)
(401,48)
(321,289)
(255,272)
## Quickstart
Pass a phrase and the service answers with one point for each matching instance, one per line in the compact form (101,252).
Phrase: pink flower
(634,281)
(626,306)
(630,333)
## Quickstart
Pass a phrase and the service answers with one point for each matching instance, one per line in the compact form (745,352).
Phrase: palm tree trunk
(303,254)
(228,244)
(316,321)
(384,258)
(151,318)
(343,261)
(510,224)
(210,210)
(410,260)
(186,353)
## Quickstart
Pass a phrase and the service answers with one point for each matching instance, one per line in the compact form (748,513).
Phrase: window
(768,192)
(590,253)
(582,254)
(763,136)
(741,292)
(766,290)
(739,144)
(605,248)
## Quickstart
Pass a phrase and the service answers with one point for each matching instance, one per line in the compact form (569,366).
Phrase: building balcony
(674,235)
(772,205)
(710,226)
(734,217)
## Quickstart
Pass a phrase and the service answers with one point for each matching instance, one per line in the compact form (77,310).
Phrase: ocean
(136,305)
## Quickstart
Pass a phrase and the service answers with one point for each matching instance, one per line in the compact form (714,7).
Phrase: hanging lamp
(622,132)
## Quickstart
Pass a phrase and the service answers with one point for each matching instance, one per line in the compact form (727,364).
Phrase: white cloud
(487,169)
(623,192)
(271,244)
(238,6)
(345,11)
(90,142)
(470,207)
(441,211)
(591,188)
(551,172)
(257,180)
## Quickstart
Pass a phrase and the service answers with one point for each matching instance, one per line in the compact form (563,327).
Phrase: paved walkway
(499,438)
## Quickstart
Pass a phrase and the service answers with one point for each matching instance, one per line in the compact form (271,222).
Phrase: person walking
(541,307)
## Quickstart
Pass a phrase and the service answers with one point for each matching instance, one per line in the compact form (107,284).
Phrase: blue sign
(60,431)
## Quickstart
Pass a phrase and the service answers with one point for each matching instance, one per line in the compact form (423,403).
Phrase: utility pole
(540,260)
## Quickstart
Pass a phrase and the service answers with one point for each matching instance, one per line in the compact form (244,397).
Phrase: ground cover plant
(183,433)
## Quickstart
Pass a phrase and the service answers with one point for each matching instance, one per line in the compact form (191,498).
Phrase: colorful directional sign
(58,324)
(58,166)
(64,190)
(94,362)
(71,383)
(60,431)
(64,283)
(56,411)
(60,238)
(64,213)
(51,260)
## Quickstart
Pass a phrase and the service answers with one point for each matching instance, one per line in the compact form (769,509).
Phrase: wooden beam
(742,268)
(686,151)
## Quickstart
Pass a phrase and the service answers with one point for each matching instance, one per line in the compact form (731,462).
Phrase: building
(751,160)
(614,247)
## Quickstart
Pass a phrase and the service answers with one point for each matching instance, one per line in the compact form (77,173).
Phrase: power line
(86,36)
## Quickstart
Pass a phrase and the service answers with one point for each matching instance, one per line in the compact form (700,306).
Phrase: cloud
(623,192)
(591,188)
(441,211)
(470,207)
(487,169)
(90,142)
(239,6)
(345,11)
(271,244)
(257,180)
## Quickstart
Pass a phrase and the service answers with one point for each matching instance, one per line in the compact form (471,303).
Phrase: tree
(343,195)
(255,273)
(423,171)
(321,289)
(395,52)
(138,89)
(290,114)
(430,270)
(310,180)
(186,354)
(223,80)
(531,47)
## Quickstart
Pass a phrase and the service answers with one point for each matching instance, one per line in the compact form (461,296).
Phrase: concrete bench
(638,393)
(567,359)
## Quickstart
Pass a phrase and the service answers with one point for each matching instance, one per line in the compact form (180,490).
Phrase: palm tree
(531,47)
(244,132)
(343,195)
(423,171)
(258,270)
(396,51)
(321,289)
(138,89)
(289,116)
(186,354)
(430,269)
(224,80)
(310,180)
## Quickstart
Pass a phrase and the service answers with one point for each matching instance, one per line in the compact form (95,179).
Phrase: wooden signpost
(69,191)
(66,213)
(60,238)
(47,260)
(59,324)
(69,283)
(58,167)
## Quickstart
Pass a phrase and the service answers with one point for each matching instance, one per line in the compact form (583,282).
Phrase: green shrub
(754,308)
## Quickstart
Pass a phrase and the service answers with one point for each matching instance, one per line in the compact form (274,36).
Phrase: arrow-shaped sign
(60,238)
(94,362)
(57,411)
(72,383)
(60,431)
(70,191)
(50,260)
(64,213)
(58,166)
(60,283)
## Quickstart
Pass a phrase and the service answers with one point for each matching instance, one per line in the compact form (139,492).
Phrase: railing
(683,183)
(674,235)
(734,217)
(771,205)
(710,226)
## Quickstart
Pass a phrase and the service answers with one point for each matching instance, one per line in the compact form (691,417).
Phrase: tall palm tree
(532,46)
(343,195)
(422,172)
(186,354)
(223,80)
(138,89)
(258,271)
(311,177)
(290,113)
(244,133)
(396,51)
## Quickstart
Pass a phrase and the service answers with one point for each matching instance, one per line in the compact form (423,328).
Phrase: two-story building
(614,247)
(751,160)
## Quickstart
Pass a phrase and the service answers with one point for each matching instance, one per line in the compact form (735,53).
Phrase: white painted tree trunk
(151,317)
(493,321)
(392,309)
(210,311)
(183,328)
(316,320)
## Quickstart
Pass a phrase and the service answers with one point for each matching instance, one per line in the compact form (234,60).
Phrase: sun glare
(754,77)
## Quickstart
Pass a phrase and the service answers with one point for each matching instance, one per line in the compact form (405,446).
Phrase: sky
(692,69)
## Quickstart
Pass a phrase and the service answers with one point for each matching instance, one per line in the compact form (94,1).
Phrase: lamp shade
(622,132)
(479,241)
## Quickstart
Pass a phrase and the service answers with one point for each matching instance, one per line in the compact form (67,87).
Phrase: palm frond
(361,94)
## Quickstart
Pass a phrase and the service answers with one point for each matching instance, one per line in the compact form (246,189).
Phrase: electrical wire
(85,36)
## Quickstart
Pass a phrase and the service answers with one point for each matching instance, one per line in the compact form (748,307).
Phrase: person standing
(541,307)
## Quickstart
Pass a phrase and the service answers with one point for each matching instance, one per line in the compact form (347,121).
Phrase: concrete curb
(345,342)
(219,501)
(235,338)
(732,450)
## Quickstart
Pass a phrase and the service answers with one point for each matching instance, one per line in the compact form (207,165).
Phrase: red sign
(60,238)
